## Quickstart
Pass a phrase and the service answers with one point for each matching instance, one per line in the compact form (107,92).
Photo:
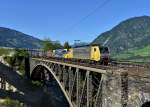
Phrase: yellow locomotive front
(100,54)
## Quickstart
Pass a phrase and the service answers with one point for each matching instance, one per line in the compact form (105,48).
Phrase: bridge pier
(138,91)
(112,91)
(27,66)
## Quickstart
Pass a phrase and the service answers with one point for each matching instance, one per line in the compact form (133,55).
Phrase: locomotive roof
(80,46)
(87,45)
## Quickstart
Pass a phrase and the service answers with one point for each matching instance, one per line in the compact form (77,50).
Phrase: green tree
(47,45)
(66,45)
(57,45)
(21,53)
(50,45)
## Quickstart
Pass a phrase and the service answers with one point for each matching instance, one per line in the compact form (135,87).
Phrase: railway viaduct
(95,86)
(85,85)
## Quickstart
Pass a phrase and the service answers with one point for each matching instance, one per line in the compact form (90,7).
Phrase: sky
(68,20)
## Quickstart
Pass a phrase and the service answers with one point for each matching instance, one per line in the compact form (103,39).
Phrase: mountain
(16,39)
(129,35)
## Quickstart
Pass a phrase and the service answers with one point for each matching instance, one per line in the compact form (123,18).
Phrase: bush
(17,60)
(11,103)
(37,83)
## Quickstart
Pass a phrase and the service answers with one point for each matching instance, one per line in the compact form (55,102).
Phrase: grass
(135,55)
(142,52)
(4,51)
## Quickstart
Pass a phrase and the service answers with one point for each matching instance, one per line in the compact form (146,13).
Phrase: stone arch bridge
(85,86)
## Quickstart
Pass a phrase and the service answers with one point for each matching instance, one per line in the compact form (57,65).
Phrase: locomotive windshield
(104,50)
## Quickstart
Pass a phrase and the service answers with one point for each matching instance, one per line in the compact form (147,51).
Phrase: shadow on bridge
(27,93)
(146,104)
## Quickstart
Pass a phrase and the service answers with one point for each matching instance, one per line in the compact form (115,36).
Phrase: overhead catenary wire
(100,6)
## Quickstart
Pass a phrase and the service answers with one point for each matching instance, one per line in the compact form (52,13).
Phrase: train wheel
(101,62)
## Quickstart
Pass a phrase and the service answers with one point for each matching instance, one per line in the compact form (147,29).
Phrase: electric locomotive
(95,53)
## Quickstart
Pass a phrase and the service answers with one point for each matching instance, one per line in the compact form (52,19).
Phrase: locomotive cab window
(104,50)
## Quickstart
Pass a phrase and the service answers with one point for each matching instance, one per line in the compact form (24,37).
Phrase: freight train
(90,53)
(95,53)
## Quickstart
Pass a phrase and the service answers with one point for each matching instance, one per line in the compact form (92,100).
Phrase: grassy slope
(138,55)
(4,51)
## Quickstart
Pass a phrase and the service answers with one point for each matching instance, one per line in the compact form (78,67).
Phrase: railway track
(113,65)
(129,65)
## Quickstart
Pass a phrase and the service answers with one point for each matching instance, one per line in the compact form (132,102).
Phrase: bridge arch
(146,104)
(38,73)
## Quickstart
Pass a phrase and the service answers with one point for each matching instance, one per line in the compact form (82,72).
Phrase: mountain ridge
(16,39)
(130,34)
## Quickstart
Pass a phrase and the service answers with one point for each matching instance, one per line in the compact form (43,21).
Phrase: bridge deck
(130,70)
